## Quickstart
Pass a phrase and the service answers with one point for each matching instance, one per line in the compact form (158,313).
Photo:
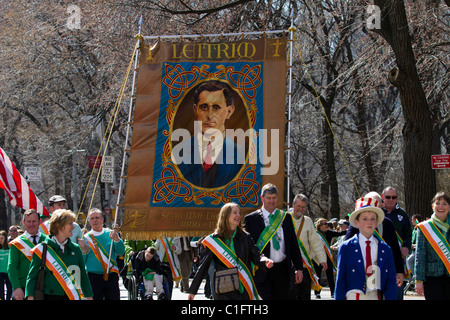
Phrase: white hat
(366,204)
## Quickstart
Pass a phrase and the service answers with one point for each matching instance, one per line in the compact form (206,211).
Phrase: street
(178,295)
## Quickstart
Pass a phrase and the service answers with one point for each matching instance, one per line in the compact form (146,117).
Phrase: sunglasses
(389,197)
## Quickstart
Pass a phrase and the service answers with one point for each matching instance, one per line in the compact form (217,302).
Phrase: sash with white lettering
(437,241)
(308,263)
(59,270)
(176,275)
(101,254)
(24,245)
(229,258)
(270,230)
(327,250)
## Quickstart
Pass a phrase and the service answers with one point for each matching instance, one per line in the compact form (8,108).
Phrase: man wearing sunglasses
(401,222)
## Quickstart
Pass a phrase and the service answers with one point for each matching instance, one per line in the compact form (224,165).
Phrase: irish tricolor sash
(437,241)
(176,274)
(229,258)
(24,245)
(43,227)
(101,254)
(308,263)
(60,272)
(326,245)
(270,230)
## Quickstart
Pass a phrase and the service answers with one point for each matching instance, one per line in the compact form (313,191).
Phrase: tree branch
(188,9)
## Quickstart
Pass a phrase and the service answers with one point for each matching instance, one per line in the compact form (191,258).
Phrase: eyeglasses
(389,197)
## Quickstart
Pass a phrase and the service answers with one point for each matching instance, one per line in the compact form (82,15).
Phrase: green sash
(407,271)
(269,231)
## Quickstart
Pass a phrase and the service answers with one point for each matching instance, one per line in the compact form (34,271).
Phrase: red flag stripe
(19,193)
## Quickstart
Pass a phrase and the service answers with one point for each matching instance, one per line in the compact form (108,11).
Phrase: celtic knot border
(170,186)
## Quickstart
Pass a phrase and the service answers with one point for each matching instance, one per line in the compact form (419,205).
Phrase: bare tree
(420,184)
(54,77)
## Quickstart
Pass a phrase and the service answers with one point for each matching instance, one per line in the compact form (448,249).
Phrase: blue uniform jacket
(351,273)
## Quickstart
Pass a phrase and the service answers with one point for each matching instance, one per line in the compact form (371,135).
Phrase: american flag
(19,193)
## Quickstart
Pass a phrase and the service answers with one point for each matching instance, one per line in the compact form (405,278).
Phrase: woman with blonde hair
(65,271)
(233,251)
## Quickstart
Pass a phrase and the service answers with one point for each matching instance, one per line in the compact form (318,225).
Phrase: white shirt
(275,255)
(97,233)
(216,146)
(30,237)
(61,245)
(373,248)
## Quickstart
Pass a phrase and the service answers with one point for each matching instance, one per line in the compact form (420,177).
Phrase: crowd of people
(53,260)
(371,254)
(270,254)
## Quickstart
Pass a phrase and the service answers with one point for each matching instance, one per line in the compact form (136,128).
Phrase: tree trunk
(330,164)
(420,183)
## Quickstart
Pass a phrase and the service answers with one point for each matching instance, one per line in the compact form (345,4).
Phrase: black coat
(245,249)
(254,224)
(141,265)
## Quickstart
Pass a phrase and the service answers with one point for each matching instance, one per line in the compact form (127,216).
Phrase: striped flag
(19,193)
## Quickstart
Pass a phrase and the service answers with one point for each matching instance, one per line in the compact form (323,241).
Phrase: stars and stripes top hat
(366,204)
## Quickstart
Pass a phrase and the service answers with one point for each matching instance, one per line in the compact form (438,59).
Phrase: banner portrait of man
(207,124)
(210,158)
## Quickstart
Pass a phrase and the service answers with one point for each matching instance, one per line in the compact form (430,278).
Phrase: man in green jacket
(20,257)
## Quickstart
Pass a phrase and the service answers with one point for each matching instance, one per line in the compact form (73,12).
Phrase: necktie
(208,160)
(368,259)
(276,244)
(34,239)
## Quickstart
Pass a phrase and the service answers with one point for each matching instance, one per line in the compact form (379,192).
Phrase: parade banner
(209,128)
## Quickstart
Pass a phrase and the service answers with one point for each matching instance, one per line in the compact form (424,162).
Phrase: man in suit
(210,159)
(20,256)
(274,234)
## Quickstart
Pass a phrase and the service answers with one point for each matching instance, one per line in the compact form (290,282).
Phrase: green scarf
(444,226)
(148,275)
